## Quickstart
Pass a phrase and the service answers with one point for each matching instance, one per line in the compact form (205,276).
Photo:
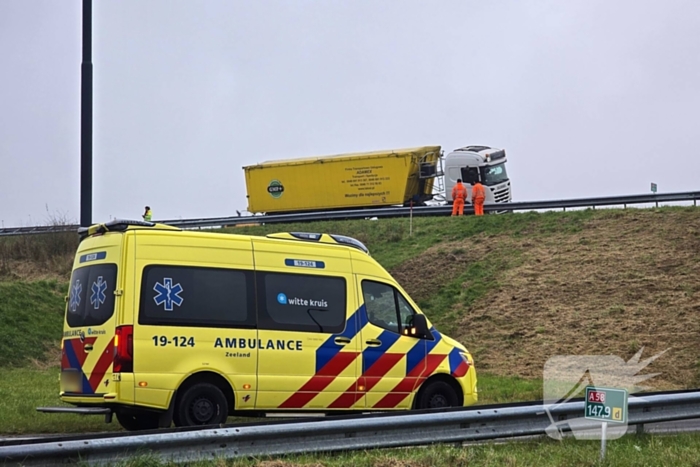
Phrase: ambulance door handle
(342,340)
(373,342)
(88,347)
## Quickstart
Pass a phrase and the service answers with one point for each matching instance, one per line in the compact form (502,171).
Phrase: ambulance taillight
(124,349)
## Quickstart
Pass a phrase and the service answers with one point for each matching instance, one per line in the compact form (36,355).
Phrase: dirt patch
(52,358)
(55,268)
(423,275)
(626,281)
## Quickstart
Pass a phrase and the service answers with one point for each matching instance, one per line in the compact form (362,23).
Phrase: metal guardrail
(350,433)
(693,196)
(38,229)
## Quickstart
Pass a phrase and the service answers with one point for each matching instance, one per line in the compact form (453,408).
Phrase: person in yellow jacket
(459,195)
(147,215)
(478,197)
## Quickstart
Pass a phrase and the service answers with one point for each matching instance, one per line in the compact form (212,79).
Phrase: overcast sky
(588,97)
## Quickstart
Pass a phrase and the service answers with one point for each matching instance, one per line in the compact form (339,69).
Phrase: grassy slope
(614,282)
(31,318)
(461,272)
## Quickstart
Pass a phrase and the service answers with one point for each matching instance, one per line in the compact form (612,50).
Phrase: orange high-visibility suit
(478,197)
(459,195)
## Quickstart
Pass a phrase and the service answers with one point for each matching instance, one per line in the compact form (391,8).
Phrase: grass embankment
(34,275)
(516,289)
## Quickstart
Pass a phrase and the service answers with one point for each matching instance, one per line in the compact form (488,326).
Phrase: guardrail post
(640,429)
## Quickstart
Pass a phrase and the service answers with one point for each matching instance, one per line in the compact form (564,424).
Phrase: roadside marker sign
(606,404)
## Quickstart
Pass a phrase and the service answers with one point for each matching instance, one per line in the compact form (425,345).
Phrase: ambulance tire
(201,404)
(437,395)
(135,421)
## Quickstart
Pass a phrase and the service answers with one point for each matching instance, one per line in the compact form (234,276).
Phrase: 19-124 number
(177,341)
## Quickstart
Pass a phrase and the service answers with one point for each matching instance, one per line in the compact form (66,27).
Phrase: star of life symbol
(98,289)
(168,294)
(566,376)
(75,295)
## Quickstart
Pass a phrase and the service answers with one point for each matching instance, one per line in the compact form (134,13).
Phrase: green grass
(390,243)
(24,389)
(501,389)
(39,388)
(31,317)
(646,450)
(31,312)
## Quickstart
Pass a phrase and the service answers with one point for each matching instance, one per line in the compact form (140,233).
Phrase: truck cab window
(470,175)
(386,307)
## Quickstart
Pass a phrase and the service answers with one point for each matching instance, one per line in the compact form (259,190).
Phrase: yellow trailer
(344,181)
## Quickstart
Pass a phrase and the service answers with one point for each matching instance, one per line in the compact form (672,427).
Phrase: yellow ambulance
(165,325)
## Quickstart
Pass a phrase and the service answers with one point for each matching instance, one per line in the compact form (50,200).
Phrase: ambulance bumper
(88,399)
(78,410)
(105,411)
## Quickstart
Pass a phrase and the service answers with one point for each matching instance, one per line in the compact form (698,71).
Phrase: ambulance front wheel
(201,404)
(437,395)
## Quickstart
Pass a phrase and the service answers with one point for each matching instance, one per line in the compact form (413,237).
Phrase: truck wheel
(135,421)
(201,404)
(437,395)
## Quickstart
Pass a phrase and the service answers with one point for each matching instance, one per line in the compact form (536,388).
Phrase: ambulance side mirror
(419,328)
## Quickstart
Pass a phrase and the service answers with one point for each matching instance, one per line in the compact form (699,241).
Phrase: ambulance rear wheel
(135,421)
(437,395)
(201,404)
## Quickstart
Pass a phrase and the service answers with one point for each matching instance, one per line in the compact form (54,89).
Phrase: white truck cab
(482,163)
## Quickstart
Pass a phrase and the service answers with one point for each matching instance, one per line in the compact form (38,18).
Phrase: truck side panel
(375,179)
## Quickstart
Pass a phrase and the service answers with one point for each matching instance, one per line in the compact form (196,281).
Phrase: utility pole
(86,119)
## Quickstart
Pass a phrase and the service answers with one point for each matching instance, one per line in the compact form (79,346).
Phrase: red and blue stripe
(330,362)
(74,357)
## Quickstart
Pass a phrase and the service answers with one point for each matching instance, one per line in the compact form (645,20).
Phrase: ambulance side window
(386,307)
(197,296)
(405,312)
(301,302)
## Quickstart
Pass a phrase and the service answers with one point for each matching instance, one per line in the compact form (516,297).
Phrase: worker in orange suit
(478,197)
(459,195)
